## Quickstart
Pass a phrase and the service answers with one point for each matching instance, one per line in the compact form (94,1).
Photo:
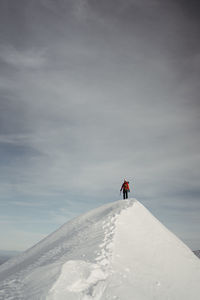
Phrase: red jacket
(125,186)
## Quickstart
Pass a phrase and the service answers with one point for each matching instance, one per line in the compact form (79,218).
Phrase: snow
(117,251)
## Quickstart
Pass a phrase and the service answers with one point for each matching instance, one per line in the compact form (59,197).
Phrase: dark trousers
(125,194)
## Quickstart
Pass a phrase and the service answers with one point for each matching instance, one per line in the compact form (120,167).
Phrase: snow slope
(118,251)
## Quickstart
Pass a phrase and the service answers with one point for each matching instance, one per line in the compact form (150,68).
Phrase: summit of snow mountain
(117,251)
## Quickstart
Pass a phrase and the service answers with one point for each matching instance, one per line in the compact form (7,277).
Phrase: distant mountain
(197,253)
(3,259)
(6,255)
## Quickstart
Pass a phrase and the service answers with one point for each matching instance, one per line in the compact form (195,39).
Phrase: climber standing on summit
(125,188)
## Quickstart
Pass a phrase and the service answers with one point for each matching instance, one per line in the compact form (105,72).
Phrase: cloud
(22,58)
(25,203)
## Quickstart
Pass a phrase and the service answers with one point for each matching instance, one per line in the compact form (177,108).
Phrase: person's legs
(124,194)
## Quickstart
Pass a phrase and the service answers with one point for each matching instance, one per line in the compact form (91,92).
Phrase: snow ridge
(81,247)
(88,280)
(118,251)
(104,256)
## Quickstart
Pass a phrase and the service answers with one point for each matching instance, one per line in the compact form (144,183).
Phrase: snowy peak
(117,251)
(78,239)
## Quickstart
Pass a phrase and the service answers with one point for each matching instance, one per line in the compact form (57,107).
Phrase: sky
(93,92)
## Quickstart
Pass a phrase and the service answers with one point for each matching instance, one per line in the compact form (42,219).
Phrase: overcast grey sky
(92,92)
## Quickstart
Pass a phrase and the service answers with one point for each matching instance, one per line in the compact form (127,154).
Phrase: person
(125,188)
